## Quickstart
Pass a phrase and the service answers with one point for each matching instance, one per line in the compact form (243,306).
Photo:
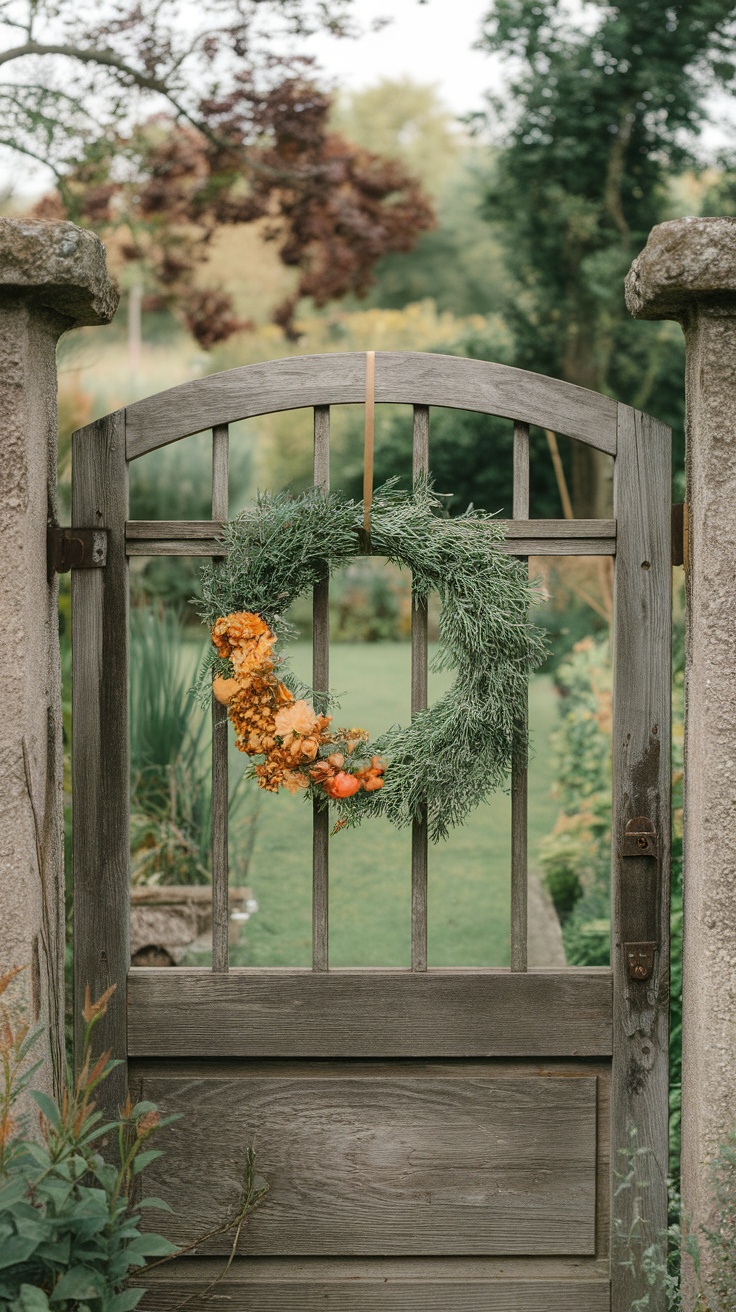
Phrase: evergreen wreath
(451,756)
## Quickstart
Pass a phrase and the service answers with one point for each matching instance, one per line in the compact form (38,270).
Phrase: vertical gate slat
(640,885)
(420,466)
(220,788)
(519,770)
(321,683)
(100,757)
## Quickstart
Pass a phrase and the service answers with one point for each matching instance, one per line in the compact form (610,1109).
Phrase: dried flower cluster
(300,750)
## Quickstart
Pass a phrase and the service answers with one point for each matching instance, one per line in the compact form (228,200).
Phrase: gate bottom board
(239,1294)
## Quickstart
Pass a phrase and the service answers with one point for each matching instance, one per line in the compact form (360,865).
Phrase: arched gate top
(403,377)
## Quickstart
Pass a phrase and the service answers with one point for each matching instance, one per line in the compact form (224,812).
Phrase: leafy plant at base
(70,1233)
(451,756)
(69,1236)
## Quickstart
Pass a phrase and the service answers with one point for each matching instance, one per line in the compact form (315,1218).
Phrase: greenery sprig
(452,756)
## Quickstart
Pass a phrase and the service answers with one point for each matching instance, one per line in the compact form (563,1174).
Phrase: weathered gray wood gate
(435,1139)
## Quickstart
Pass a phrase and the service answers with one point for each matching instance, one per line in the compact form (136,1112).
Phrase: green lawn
(370,881)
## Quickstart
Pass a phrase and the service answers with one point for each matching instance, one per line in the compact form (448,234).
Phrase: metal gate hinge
(75,548)
(640,838)
(640,959)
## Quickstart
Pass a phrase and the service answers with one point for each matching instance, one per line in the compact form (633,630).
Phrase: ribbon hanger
(368,444)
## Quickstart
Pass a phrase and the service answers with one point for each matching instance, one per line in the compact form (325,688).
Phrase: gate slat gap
(519,770)
(419,679)
(321,683)
(220,789)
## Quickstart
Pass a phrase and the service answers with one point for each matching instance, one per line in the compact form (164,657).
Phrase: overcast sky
(430,42)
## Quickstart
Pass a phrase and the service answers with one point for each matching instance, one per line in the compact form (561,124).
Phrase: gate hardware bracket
(75,548)
(640,959)
(640,838)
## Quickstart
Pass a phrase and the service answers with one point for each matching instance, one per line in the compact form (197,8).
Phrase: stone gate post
(53,277)
(687,271)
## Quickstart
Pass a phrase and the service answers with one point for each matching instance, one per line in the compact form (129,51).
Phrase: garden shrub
(71,1210)
(70,1233)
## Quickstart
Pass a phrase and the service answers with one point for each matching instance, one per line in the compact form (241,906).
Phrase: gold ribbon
(368,441)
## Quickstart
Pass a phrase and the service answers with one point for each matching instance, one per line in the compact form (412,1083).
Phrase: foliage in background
(471,454)
(600,115)
(576,856)
(175,482)
(171,783)
(459,263)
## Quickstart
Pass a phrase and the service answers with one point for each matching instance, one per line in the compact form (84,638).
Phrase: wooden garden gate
(436,1140)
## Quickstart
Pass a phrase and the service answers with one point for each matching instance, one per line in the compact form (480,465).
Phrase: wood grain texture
(220,795)
(519,764)
(175,547)
(419,692)
(182,530)
(321,682)
(405,377)
(380,1294)
(220,467)
(393,1166)
(380,1013)
(100,763)
(554,547)
(641,786)
(189,529)
(521,472)
(512,546)
(219,840)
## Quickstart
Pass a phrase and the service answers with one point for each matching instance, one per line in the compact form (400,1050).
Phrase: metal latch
(640,959)
(640,838)
(75,548)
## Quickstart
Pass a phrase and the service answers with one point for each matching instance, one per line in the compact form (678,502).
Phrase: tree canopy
(166,120)
(602,108)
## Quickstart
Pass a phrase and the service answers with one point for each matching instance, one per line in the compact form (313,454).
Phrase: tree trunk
(592,471)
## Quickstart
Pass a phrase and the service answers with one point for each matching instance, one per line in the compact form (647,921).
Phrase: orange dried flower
(373,783)
(295,781)
(246,640)
(224,690)
(296,718)
(342,785)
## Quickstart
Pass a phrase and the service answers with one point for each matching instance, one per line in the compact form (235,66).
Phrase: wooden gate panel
(100,762)
(376,1013)
(456,1113)
(396,1164)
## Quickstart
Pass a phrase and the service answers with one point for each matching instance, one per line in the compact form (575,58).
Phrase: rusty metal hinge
(640,959)
(75,548)
(640,838)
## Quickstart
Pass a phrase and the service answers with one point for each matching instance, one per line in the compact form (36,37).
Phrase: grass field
(370,867)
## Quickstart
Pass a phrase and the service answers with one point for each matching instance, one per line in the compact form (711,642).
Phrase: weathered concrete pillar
(52,277)
(688,272)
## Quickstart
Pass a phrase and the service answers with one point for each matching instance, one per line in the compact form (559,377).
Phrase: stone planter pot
(168,921)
